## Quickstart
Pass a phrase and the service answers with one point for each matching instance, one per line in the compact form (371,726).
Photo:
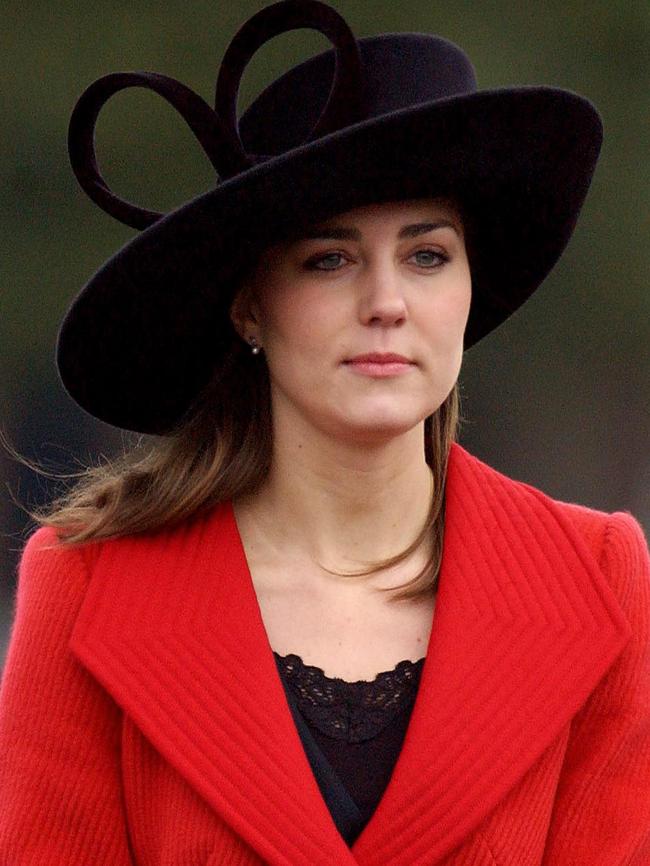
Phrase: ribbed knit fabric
(142,721)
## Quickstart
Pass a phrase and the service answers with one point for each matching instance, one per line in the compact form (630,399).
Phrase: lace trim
(352,711)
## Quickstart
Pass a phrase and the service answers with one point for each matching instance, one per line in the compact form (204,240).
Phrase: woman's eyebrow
(345,233)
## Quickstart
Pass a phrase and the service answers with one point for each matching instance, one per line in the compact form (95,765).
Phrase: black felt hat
(389,117)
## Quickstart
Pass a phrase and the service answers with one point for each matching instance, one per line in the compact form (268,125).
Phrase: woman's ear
(243,312)
(235,313)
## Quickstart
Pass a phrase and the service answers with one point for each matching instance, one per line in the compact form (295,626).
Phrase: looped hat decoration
(390,117)
(217,130)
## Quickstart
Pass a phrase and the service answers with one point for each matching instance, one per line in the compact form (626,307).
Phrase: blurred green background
(558,397)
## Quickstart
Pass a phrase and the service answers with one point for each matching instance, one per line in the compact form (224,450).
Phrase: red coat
(143,721)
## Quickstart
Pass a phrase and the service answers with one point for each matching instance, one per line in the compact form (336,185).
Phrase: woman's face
(385,278)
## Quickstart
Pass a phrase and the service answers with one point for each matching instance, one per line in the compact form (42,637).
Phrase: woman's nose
(382,295)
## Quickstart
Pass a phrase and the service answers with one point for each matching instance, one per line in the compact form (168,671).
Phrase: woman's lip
(378,358)
(379,369)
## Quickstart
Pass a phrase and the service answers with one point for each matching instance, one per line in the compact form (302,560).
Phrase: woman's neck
(341,505)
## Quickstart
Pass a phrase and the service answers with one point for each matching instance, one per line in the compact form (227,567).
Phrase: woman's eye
(316,262)
(431,258)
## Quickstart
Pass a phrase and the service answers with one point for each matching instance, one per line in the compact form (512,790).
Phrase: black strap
(344,810)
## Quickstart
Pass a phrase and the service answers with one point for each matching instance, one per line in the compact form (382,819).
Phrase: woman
(248,643)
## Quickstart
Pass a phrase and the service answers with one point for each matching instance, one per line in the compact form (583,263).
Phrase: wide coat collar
(525,626)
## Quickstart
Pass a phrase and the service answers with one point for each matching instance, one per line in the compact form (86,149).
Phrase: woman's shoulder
(606,532)
(617,538)
(615,535)
(47,544)
(48,561)
(594,523)
(45,550)
(52,575)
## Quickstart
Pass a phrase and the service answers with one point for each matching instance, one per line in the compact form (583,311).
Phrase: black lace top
(359,727)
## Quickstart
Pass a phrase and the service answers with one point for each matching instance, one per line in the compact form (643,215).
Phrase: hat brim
(147,331)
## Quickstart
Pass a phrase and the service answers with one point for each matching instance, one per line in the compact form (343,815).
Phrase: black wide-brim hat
(389,117)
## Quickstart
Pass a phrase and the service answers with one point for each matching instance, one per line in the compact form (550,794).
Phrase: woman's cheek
(451,315)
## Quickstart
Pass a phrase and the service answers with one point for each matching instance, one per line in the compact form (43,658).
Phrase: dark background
(558,397)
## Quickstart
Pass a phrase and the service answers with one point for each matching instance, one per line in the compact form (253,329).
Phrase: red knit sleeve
(60,791)
(601,813)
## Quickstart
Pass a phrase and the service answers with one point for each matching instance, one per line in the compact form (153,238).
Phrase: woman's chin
(377,427)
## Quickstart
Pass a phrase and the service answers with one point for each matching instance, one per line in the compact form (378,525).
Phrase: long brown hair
(220,450)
